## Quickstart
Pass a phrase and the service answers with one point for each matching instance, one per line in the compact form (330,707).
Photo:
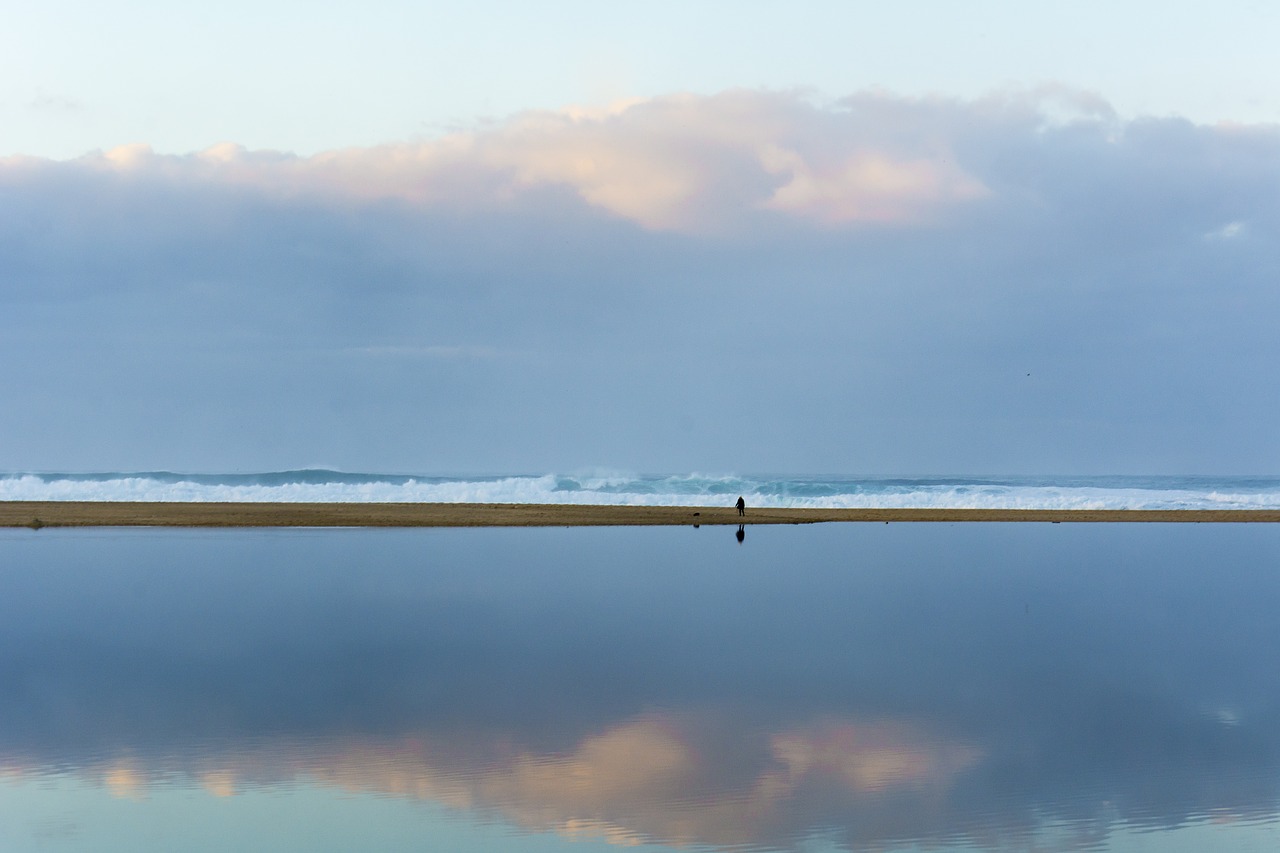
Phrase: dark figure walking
(742,506)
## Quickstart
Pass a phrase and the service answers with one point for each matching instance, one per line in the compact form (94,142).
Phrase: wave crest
(617,488)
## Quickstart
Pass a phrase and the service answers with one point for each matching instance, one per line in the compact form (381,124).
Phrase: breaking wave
(1125,492)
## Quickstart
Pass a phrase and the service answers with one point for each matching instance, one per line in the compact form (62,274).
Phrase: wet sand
(37,514)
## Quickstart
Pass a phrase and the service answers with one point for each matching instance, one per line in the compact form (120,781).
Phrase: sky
(841,238)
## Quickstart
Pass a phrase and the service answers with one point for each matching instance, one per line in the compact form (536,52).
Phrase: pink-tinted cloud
(652,778)
(679,163)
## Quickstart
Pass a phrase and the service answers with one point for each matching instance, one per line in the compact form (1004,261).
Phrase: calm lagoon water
(818,688)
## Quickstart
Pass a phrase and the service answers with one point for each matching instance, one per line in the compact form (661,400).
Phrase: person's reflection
(742,533)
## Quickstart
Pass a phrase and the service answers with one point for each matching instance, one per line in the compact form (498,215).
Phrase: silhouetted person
(742,506)
(742,533)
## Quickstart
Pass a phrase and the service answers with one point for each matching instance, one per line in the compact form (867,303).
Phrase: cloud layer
(681,163)
(1018,283)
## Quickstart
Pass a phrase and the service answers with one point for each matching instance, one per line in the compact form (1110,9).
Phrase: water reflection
(878,685)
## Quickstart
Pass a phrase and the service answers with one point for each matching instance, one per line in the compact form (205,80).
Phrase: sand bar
(37,514)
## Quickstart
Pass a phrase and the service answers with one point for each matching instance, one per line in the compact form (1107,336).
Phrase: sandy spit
(37,514)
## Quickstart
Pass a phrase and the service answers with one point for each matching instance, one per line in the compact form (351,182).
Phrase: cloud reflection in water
(875,684)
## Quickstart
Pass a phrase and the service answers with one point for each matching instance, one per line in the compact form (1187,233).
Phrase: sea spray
(1064,492)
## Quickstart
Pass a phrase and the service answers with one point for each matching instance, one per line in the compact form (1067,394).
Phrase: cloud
(678,163)
(627,282)
(737,162)
(1230,231)
(55,104)
(867,187)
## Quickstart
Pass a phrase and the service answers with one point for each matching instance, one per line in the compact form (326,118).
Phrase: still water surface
(819,688)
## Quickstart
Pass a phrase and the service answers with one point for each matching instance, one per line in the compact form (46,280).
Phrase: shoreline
(40,514)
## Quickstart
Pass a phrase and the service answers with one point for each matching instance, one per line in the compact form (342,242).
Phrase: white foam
(630,490)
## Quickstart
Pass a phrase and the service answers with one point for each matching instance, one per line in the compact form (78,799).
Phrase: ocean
(622,488)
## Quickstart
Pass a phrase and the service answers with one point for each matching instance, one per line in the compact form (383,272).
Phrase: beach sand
(36,514)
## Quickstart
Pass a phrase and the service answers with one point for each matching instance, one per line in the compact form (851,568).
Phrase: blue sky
(306,77)
(812,237)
